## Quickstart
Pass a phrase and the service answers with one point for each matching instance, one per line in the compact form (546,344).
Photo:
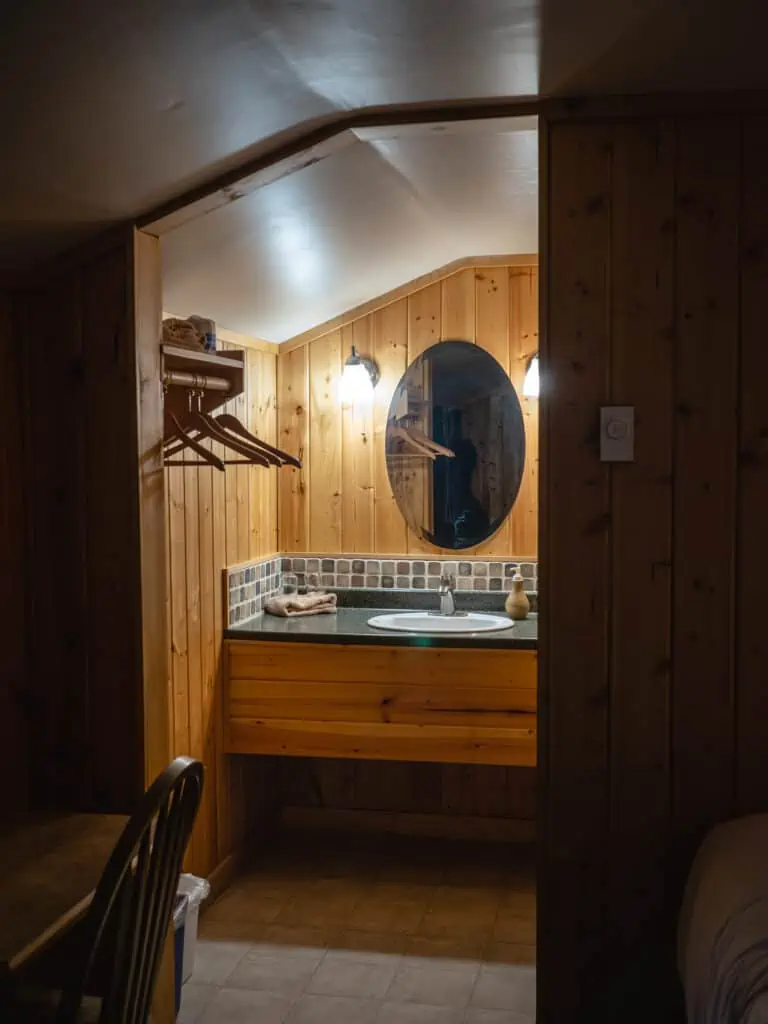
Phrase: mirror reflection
(455,445)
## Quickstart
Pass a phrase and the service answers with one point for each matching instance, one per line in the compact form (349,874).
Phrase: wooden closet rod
(196,380)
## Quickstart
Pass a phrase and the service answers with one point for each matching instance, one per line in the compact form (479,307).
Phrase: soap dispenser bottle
(517,604)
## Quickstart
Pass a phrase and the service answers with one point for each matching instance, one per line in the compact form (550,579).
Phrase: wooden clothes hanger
(233,423)
(421,438)
(206,427)
(174,430)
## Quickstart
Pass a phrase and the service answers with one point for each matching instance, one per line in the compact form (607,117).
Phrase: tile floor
(359,929)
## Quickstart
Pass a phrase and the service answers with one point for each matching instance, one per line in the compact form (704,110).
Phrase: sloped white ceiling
(109,109)
(366,219)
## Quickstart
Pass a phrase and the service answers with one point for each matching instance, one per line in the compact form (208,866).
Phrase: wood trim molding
(366,308)
(147,297)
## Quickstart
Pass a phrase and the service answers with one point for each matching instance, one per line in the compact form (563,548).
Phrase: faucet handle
(448,582)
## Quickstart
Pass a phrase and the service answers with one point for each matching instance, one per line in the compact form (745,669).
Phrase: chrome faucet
(447,601)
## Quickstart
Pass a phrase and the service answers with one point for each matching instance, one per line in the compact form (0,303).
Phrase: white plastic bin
(196,890)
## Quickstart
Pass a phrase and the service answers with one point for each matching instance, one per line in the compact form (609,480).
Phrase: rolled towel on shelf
(294,605)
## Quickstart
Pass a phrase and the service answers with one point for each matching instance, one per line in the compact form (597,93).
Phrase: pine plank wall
(341,501)
(216,520)
(654,648)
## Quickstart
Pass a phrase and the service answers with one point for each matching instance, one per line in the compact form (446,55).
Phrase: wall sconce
(531,380)
(358,379)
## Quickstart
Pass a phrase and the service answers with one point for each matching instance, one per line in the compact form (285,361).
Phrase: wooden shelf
(208,364)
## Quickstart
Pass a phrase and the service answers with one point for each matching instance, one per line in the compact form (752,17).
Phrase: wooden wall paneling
(523,342)
(424,320)
(325,477)
(357,505)
(492,334)
(424,329)
(222,763)
(389,327)
(642,329)
(752,549)
(262,371)
(14,763)
(521,793)
(457,321)
(492,312)
(54,487)
(268,424)
(230,499)
(243,477)
(457,792)
(177,554)
(113,568)
(192,550)
(576,488)
(707,204)
(210,581)
(395,334)
(257,522)
(292,418)
(147,303)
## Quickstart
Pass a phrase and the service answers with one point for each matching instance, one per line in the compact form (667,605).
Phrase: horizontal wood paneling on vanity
(654,667)
(389,703)
(341,500)
(214,520)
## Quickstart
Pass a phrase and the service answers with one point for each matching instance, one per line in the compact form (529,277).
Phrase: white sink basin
(432,622)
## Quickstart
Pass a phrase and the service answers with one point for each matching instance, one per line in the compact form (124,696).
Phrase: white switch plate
(617,433)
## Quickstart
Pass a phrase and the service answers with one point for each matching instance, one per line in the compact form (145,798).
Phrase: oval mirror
(455,445)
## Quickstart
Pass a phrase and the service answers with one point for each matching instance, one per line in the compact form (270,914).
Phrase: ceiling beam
(317,143)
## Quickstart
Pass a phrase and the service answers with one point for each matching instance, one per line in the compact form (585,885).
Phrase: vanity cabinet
(455,705)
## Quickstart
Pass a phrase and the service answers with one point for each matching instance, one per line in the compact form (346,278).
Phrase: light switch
(617,433)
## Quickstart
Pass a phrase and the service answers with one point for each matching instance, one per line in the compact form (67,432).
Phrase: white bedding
(723,930)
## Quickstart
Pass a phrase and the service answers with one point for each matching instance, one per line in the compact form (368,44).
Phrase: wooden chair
(119,945)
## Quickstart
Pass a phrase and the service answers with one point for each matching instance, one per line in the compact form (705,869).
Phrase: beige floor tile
(239,1006)
(511,927)
(521,900)
(435,986)
(194,999)
(311,1009)
(245,908)
(300,938)
(510,953)
(446,922)
(215,961)
(374,943)
(478,1016)
(506,987)
(419,1013)
(346,975)
(379,914)
(317,912)
(439,949)
(223,930)
(286,975)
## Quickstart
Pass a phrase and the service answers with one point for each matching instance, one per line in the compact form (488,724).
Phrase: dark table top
(350,626)
(49,867)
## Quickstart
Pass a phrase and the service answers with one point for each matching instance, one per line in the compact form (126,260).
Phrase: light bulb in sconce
(358,379)
(531,381)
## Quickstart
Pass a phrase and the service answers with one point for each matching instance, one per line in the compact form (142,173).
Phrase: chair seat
(38,1006)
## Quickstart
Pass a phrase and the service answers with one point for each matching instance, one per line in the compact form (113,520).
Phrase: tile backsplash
(343,571)
(249,585)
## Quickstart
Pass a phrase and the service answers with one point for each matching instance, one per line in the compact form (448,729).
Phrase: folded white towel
(294,605)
